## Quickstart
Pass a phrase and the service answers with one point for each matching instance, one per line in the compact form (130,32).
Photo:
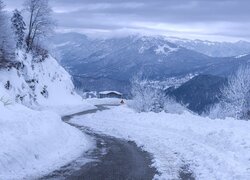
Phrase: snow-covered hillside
(34,140)
(214,49)
(43,83)
(210,149)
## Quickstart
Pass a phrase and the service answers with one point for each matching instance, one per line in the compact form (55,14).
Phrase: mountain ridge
(119,59)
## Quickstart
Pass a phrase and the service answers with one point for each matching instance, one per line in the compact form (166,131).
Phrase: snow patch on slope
(165,49)
(240,56)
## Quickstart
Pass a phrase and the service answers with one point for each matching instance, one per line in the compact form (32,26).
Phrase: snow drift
(211,149)
(34,143)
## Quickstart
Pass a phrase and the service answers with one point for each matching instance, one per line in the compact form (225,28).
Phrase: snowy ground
(79,106)
(97,101)
(68,109)
(34,143)
(213,149)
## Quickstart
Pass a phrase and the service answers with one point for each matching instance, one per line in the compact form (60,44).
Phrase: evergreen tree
(6,39)
(18,26)
(2,60)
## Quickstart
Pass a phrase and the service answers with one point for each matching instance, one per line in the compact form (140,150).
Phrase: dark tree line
(26,34)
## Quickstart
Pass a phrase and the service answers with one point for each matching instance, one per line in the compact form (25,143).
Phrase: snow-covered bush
(39,53)
(235,101)
(5,101)
(148,96)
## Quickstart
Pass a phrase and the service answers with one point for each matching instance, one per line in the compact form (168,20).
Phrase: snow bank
(96,101)
(34,143)
(212,149)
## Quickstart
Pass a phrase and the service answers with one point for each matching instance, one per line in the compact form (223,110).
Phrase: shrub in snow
(39,53)
(235,101)
(7,85)
(45,92)
(149,97)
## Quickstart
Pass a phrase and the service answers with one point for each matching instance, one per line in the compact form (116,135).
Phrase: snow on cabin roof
(108,92)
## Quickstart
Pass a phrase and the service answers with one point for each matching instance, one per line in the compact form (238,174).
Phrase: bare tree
(149,96)
(146,98)
(40,23)
(235,101)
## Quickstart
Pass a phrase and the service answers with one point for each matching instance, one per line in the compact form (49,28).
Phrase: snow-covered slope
(43,83)
(34,139)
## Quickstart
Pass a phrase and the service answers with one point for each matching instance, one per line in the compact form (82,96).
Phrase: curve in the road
(114,159)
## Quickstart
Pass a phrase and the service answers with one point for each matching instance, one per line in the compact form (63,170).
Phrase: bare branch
(40,21)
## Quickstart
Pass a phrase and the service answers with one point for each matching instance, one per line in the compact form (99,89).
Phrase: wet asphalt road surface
(111,159)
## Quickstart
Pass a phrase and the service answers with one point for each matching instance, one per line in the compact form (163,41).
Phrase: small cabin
(110,94)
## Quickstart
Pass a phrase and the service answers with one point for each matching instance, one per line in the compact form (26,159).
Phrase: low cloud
(207,19)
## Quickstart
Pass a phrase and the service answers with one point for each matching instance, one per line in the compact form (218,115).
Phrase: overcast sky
(222,20)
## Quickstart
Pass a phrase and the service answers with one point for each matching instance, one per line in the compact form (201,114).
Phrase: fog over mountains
(111,63)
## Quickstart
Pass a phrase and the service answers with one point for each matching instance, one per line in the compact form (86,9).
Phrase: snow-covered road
(112,158)
(212,149)
(181,145)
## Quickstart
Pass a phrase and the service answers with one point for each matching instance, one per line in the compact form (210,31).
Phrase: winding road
(112,159)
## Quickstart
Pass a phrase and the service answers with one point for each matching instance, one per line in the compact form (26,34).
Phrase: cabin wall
(111,95)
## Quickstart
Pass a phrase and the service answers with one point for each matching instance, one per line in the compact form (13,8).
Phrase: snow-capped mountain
(214,49)
(103,64)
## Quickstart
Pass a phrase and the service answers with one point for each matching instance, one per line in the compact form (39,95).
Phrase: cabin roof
(109,92)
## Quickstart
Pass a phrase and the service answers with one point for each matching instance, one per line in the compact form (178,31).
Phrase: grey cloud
(217,17)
